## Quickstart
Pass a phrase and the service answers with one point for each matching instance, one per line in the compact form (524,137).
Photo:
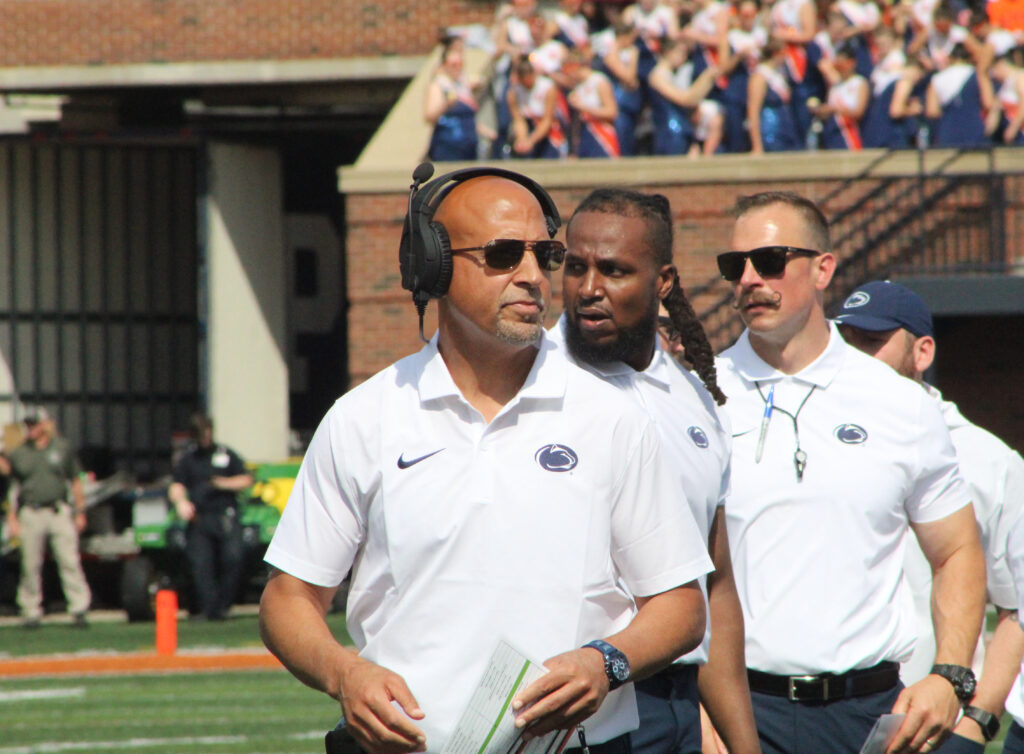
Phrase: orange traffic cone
(166,622)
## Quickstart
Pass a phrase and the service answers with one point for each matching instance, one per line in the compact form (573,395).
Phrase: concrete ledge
(730,168)
(970,295)
(209,73)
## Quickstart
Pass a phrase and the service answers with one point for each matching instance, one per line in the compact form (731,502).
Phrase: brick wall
(94,32)
(382,321)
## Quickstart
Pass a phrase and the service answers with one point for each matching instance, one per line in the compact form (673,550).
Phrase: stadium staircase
(935,221)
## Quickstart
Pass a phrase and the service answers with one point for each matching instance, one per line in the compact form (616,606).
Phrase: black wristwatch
(616,664)
(989,723)
(962,678)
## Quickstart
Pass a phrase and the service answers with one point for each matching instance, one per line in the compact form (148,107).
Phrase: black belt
(55,504)
(826,687)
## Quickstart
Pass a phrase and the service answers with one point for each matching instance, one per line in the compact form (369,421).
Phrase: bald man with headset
(476,494)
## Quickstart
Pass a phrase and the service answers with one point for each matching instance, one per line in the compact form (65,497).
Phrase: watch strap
(961,677)
(616,664)
(988,722)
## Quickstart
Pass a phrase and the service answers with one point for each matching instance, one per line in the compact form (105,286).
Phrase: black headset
(424,255)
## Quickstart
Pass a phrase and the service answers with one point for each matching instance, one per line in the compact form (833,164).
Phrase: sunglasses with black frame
(505,254)
(767,260)
(667,327)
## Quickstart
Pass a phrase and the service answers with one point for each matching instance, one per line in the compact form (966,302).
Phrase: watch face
(620,669)
(967,685)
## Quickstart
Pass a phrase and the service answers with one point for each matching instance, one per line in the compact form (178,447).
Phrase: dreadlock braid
(694,340)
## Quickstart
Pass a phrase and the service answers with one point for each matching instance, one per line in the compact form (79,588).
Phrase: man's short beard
(518,333)
(630,342)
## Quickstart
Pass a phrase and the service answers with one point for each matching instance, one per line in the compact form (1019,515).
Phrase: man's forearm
(724,690)
(1002,663)
(666,626)
(235,483)
(958,604)
(78,493)
(293,627)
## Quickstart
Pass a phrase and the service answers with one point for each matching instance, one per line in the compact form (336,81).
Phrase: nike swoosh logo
(403,464)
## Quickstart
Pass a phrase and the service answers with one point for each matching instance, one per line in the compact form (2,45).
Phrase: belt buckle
(794,695)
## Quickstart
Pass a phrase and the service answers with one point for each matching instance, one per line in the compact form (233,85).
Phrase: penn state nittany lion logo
(697,435)
(555,457)
(851,434)
(855,299)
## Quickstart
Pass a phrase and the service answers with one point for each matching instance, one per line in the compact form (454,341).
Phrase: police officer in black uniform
(207,480)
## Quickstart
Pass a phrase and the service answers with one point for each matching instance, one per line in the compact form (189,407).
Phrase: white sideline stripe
(20,696)
(132,743)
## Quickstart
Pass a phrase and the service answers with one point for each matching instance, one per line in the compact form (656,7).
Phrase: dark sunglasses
(767,260)
(506,253)
(667,327)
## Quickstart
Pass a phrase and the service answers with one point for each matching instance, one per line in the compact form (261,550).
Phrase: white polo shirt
(819,562)
(696,444)
(530,528)
(1015,550)
(994,474)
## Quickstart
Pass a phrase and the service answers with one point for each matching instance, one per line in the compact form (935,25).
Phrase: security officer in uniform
(207,480)
(892,323)
(43,468)
(835,459)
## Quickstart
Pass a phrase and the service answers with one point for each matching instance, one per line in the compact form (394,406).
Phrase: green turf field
(246,711)
(236,633)
(242,711)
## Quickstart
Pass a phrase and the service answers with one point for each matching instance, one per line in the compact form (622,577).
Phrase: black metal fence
(98,312)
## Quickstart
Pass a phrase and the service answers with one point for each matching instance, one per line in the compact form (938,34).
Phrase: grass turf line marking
(46,747)
(31,694)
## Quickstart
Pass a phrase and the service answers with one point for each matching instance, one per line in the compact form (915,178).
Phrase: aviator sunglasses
(506,253)
(767,260)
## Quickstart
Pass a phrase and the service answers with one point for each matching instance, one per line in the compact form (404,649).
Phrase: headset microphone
(422,173)
(424,254)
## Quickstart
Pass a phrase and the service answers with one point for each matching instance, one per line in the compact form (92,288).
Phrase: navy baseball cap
(883,305)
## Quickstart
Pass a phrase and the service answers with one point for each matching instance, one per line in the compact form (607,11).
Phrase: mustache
(757,298)
(533,297)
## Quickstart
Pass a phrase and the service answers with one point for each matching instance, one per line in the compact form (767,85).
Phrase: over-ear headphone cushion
(444,260)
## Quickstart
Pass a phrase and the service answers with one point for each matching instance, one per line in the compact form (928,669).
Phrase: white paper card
(882,734)
(487,725)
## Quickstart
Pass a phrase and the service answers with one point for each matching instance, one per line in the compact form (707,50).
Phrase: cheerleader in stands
(745,40)
(617,56)
(1006,118)
(707,31)
(864,19)
(593,102)
(675,98)
(957,100)
(655,24)
(794,23)
(770,118)
(451,107)
(512,35)
(933,46)
(891,120)
(847,100)
(989,42)
(533,104)
(571,27)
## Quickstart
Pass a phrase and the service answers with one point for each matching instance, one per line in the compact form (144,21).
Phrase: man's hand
(569,693)
(13,525)
(931,707)
(367,693)
(185,509)
(80,521)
